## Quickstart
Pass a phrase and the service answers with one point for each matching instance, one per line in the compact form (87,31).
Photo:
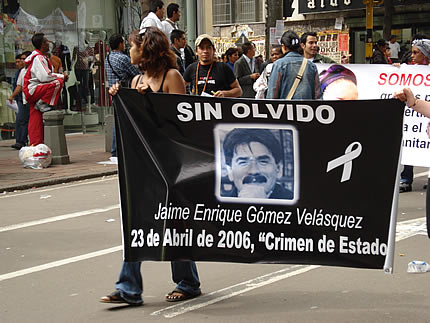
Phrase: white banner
(380,82)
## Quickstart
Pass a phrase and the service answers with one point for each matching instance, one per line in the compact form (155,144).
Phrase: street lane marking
(57,218)
(404,230)
(421,174)
(59,263)
(59,186)
(231,291)
(412,227)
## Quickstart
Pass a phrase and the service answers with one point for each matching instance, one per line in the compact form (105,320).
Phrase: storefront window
(78,32)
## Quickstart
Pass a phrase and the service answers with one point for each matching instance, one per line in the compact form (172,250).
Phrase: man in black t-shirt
(213,78)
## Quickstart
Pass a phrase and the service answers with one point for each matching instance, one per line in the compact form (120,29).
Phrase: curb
(56,181)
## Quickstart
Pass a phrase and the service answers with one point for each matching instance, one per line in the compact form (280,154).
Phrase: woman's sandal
(178,295)
(115,298)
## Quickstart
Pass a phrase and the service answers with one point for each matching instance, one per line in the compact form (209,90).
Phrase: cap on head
(203,37)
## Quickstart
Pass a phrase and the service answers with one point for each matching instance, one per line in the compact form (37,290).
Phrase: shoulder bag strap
(119,77)
(298,79)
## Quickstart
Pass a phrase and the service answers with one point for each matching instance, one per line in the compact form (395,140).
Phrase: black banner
(318,6)
(240,180)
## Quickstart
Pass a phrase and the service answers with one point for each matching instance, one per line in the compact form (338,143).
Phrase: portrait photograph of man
(256,164)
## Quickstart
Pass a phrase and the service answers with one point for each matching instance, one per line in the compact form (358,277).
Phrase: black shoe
(17,146)
(405,187)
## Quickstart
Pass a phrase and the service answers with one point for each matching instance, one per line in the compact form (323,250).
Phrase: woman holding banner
(150,50)
(418,105)
(420,55)
(422,107)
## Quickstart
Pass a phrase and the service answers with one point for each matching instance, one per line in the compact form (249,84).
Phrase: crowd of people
(161,61)
(167,64)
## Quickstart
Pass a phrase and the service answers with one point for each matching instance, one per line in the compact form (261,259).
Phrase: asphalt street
(60,251)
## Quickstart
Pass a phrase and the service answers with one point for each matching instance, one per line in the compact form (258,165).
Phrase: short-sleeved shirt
(121,63)
(220,77)
(395,49)
(20,81)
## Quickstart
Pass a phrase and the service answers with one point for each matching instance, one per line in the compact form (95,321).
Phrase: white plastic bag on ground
(35,157)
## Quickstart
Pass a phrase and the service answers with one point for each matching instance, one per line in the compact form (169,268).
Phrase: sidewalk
(84,151)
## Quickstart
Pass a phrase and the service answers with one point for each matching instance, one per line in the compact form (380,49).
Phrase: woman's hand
(405,95)
(142,87)
(114,89)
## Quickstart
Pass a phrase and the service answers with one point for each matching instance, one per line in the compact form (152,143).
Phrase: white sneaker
(42,106)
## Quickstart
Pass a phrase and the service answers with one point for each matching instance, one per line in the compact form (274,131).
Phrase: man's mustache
(257,178)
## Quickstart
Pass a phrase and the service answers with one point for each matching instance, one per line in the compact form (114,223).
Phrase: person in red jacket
(42,87)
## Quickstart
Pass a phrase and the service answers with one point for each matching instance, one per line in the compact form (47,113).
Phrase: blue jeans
(22,118)
(130,285)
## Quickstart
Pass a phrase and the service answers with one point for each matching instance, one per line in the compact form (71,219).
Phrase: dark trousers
(91,87)
(83,76)
(408,174)
(22,118)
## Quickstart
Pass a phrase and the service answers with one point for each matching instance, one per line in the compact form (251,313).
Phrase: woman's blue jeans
(130,285)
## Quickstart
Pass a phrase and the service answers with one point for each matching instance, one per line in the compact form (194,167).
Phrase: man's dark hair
(419,36)
(26,53)
(393,37)
(304,37)
(240,136)
(115,40)
(18,56)
(246,47)
(171,9)
(176,34)
(157,4)
(381,43)
(279,47)
(231,51)
(37,40)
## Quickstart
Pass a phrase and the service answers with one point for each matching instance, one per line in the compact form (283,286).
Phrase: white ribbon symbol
(345,160)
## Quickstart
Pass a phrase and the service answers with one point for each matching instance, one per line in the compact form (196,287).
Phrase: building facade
(341,21)
(234,21)
(409,18)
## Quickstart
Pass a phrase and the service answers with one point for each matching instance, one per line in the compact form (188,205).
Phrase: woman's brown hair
(157,57)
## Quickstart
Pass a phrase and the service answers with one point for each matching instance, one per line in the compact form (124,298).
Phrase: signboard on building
(317,6)
(333,44)
(239,35)
(222,44)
